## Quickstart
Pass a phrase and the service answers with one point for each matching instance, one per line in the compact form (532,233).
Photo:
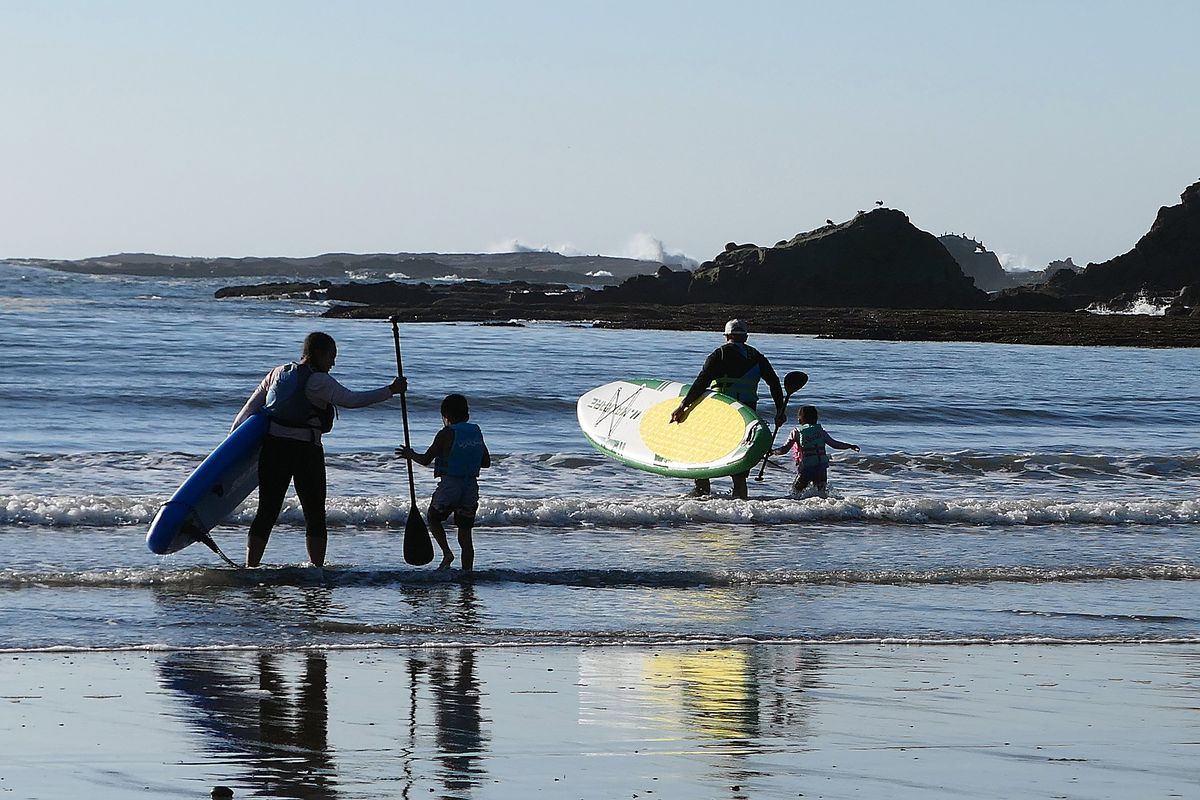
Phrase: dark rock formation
(1186,304)
(1159,267)
(1054,268)
(874,277)
(1163,261)
(666,287)
(505,303)
(285,289)
(878,259)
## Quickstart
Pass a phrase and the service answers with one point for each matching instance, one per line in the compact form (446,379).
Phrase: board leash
(208,540)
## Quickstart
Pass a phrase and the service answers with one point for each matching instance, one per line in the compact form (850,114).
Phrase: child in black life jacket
(812,460)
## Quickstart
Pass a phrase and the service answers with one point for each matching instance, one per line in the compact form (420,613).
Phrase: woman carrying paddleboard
(734,369)
(300,398)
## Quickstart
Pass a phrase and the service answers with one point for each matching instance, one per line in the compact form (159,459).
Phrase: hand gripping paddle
(792,383)
(418,549)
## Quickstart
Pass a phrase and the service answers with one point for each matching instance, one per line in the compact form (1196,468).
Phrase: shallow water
(1003,493)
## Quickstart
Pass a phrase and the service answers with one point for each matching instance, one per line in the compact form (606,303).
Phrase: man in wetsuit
(733,369)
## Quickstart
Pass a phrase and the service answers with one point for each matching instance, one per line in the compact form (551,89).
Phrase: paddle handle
(412,485)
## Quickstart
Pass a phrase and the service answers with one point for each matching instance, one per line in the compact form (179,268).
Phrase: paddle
(792,383)
(418,549)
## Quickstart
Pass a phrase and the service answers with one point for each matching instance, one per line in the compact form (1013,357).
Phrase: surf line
(610,409)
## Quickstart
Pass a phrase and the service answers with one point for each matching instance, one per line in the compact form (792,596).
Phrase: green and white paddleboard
(631,422)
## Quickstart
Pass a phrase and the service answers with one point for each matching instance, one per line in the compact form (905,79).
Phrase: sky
(1046,129)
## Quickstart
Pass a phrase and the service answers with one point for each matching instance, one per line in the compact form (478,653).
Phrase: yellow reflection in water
(713,689)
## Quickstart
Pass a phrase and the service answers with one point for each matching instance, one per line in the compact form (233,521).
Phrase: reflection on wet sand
(456,694)
(267,713)
(731,703)
(457,715)
(251,717)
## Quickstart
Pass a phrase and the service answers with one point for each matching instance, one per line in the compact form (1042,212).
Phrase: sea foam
(106,511)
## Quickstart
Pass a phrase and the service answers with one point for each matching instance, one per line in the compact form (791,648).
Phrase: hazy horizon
(1046,130)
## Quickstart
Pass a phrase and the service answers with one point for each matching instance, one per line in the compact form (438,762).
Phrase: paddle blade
(794,382)
(418,548)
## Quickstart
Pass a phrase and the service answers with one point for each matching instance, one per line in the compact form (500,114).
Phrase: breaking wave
(966,463)
(104,511)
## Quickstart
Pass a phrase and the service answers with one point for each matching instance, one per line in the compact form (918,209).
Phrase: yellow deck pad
(711,431)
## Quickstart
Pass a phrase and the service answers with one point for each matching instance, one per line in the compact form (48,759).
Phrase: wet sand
(751,721)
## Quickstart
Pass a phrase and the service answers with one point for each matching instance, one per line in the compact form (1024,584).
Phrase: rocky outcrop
(876,260)
(1186,303)
(284,289)
(1163,261)
(1159,267)
(665,287)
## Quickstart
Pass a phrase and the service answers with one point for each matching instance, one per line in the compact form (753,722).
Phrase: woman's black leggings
(280,462)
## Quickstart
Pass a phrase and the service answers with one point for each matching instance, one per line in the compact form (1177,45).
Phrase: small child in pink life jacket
(809,441)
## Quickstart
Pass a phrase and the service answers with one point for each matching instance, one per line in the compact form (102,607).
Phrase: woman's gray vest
(288,405)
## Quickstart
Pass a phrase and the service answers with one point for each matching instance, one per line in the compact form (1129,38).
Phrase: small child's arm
(487,457)
(786,446)
(441,444)
(836,445)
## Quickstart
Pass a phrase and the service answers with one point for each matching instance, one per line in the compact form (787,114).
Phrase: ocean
(1003,495)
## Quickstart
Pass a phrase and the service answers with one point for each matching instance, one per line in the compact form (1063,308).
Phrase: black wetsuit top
(736,368)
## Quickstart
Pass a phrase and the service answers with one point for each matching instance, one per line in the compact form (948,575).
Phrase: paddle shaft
(763,467)
(787,398)
(412,485)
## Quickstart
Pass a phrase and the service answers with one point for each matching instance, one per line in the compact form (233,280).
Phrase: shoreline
(743,721)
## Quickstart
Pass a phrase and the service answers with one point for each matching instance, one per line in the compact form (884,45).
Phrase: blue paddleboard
(212,492)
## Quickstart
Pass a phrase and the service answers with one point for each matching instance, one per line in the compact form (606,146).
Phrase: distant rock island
(525,265)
